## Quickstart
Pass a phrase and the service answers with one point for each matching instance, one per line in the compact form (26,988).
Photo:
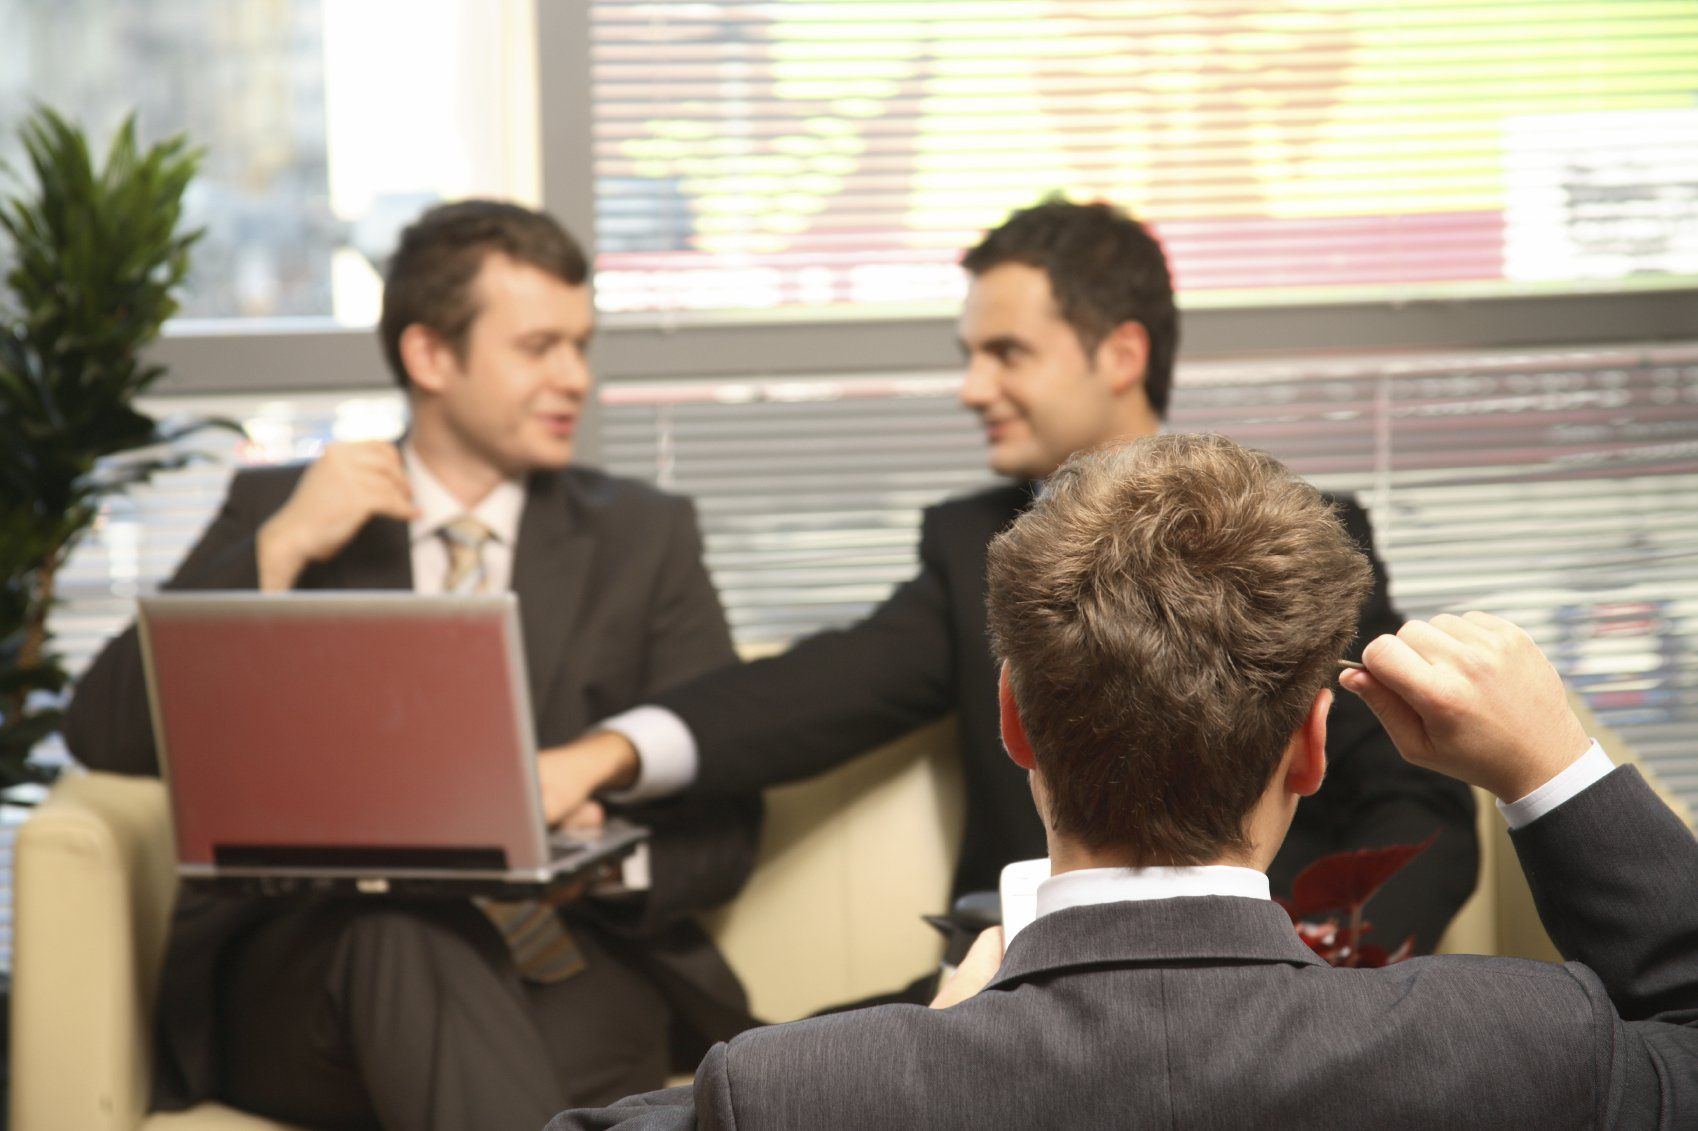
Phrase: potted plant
(95,258)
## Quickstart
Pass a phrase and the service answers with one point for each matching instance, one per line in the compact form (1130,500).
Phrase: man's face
(1040,396)
(514,400)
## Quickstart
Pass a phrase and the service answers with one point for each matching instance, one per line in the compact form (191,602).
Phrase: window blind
(791,156)
(1557,488)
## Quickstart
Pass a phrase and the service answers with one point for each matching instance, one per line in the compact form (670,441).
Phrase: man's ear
(1013,730)
(1124,355)
(1308,764)
(429,360)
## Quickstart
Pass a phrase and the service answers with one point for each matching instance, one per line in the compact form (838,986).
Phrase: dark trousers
(410,1017)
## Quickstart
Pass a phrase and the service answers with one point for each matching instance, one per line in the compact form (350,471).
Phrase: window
(327,124)
(799,156)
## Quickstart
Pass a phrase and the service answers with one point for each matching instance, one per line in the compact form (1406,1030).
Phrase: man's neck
(463,474)
(1066,856)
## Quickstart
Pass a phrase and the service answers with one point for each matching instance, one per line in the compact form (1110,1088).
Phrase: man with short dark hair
(1168,618)
(357,1013)
(1069,332)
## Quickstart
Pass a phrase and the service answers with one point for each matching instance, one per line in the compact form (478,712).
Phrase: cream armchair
(93,882)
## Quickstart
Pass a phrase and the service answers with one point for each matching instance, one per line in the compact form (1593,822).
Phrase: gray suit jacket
(1208,1012)
(615,606)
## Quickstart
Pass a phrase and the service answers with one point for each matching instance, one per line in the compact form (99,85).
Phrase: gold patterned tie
(465,538)
(542,949)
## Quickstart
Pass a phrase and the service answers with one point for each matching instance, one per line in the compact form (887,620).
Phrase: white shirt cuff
(1582,773)
(666,753)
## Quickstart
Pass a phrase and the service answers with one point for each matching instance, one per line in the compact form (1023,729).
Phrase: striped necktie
(465,538)
(542,949)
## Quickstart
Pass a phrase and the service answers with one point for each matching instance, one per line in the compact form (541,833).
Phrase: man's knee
(417,947)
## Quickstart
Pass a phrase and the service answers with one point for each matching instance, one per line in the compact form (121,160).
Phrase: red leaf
(1371,956)
(1347,880)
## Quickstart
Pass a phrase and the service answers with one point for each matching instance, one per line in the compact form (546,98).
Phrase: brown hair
(429,278)
(1104,269)
(1168,610)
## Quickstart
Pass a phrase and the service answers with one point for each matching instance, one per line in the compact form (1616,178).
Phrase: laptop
(354,742)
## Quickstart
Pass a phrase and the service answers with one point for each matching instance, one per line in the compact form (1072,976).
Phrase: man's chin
(547,457)
(1016,464)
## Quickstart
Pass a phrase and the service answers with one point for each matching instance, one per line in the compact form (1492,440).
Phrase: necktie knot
(465,538)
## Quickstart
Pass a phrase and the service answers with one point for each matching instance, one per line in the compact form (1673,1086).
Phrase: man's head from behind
(1169,614)
(486,315)
(1069,330)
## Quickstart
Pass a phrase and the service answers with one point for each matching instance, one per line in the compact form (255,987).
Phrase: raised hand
(1472,697)
(344,488)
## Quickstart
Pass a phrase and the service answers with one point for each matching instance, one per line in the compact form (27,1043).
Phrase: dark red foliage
(1345,881)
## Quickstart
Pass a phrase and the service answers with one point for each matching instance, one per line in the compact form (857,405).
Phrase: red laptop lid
(390,724)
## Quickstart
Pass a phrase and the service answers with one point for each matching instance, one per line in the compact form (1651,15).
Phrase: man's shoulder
(997,503)
(268,485)
(602,491)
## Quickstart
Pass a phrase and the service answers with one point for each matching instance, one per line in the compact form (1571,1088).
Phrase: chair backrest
(94,880)
(849,862)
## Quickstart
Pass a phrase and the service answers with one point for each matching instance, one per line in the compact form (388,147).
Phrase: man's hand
(983,960)
(344,488)
(1472,697)
(572,773)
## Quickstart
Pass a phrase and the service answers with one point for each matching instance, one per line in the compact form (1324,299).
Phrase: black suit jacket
(925,652)
(1209,1013)
(615,606)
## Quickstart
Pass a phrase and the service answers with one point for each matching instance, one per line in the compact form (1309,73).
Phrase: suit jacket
(614,607)
(926,651)
(1208,1012)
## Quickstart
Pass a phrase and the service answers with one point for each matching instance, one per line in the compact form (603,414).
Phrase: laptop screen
(360,728)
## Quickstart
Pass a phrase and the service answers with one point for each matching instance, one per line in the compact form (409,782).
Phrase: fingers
(1401,721)
(1473,697)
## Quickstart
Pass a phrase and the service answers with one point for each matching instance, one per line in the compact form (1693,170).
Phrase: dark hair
(1168,610)
(1104,269)
(429,278)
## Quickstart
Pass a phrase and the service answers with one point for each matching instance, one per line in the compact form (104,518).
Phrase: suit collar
(551,566)
(1190,930)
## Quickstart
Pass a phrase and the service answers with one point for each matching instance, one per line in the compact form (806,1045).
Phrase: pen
(1352,665)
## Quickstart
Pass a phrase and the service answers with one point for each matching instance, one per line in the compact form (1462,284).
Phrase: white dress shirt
(1581,773)
(1087,886)
(499,511)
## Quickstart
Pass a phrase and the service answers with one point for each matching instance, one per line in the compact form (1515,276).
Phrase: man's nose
(570,372)
(978,384)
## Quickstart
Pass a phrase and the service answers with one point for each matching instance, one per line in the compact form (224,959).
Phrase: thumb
(1401,721)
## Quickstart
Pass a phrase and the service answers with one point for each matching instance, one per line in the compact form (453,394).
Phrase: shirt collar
(499,510)
(1087,886)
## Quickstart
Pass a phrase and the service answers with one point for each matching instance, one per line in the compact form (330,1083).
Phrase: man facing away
(356,1013)
(1070,332)
(1168,616)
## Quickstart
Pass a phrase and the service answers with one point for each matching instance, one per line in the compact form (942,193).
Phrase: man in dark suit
(1070,331)
(354,1013)
(1168,617)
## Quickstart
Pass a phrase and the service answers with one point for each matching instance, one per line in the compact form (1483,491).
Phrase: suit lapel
(551,566)
(379,557)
